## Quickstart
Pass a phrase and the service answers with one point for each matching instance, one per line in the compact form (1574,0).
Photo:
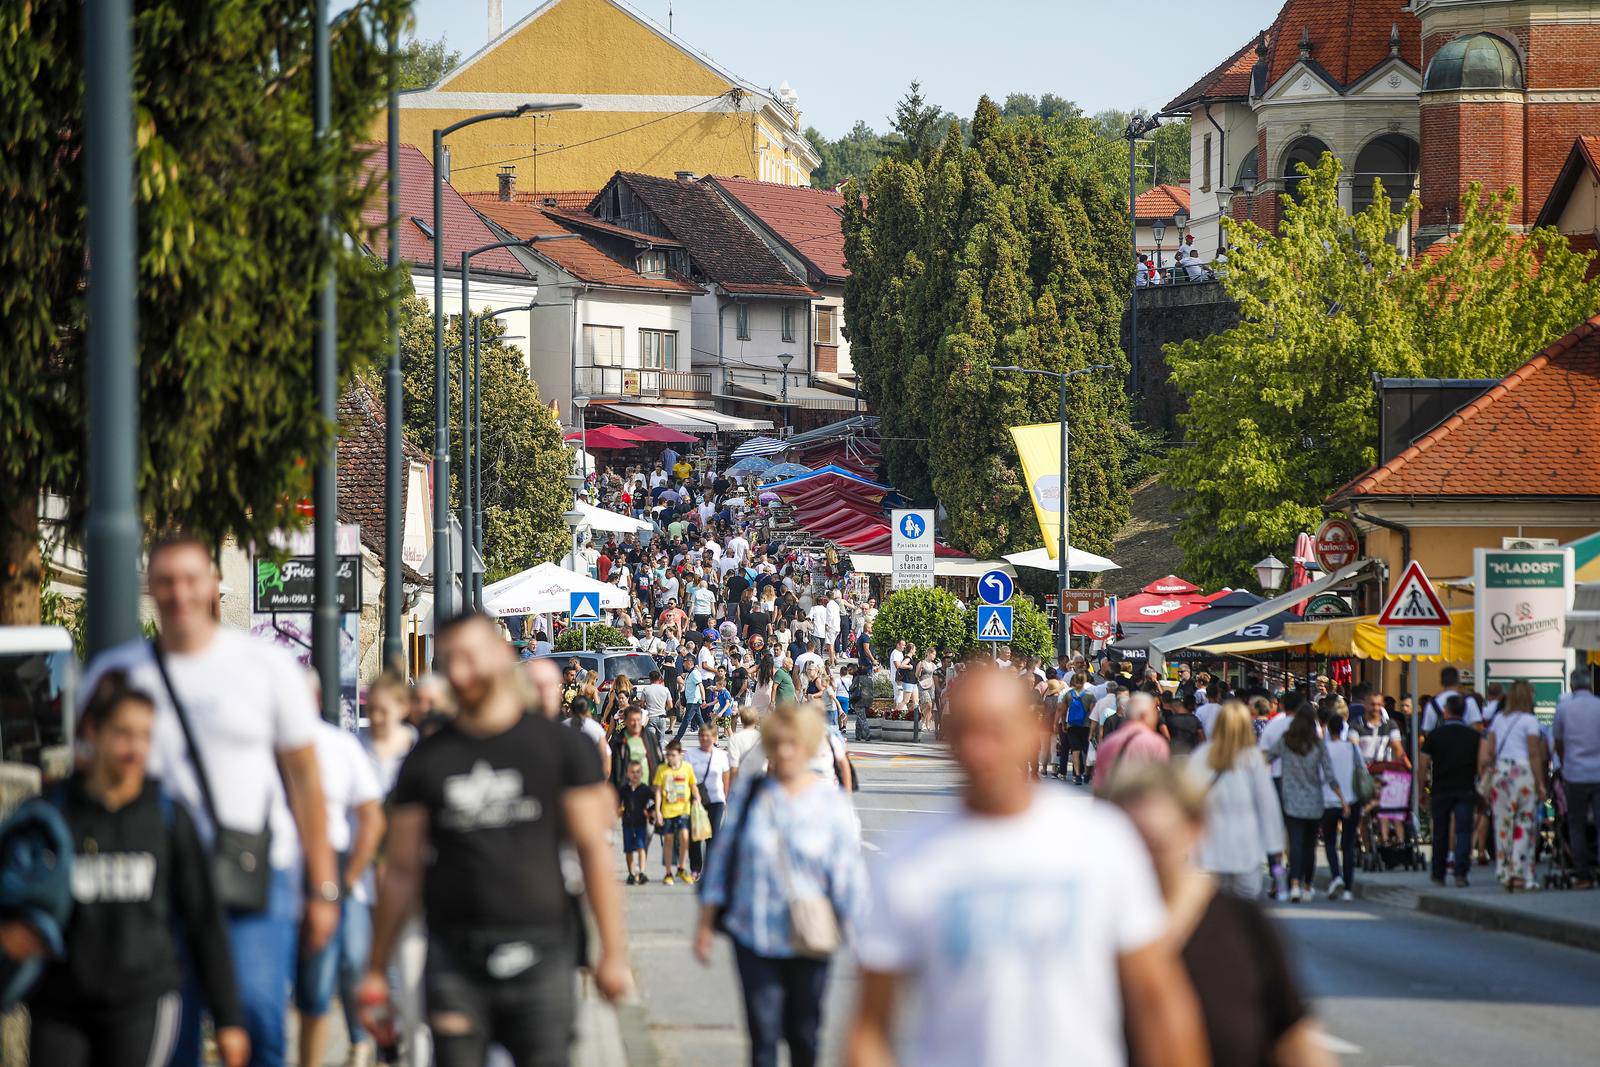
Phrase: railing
(643,382)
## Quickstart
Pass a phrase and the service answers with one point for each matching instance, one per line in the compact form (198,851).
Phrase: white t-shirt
(1271,734)
(819,620)
(738,547)
(247,701)
(709,767)
(745,753)
(1009,931)
(349,780)
(702,600)
(655,697)
(1342,754)
(1510,732)
(830,752)
(1207,714)
(1430,712)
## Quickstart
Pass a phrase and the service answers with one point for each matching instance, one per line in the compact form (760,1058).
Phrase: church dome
(1477,61)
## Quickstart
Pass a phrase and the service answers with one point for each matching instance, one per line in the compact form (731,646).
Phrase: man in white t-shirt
(1016,925)
(254,722)
(354,799)
(1449,679)
(738,548)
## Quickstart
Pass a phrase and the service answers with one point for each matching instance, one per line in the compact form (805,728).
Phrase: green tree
(598,635)
(916,123)
(524,457)
(851,156)
(1163,154)
(424,62)
(229,186)
(1007,251)
(1281,408)
(928,618)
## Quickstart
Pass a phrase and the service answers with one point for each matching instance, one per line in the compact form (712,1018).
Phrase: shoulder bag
(813,924)
(1362,783)
(241,869)
(1486,780)
(731,853)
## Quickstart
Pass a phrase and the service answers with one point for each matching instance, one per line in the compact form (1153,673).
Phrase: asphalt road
(1394,988)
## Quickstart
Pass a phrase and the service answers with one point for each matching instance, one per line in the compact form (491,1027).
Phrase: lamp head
(1270,573)
(1180,218)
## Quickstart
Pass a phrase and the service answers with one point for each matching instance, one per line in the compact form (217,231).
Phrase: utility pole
(394,458)
(325,617)
(114,526)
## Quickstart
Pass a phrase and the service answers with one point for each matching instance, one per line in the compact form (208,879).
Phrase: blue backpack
(1077,713)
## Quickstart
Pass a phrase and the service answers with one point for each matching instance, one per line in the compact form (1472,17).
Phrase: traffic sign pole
(1413,618)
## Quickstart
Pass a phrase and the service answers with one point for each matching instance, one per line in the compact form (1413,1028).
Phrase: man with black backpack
(1075,727)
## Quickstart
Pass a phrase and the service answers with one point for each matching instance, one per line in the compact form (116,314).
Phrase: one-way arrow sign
(1414,602)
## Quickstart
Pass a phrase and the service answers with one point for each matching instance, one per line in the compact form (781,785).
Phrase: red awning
(607,437)
(662,434)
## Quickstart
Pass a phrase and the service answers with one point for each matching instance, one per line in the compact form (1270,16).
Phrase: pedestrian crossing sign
(994,622)
(1414,601)
(585,607)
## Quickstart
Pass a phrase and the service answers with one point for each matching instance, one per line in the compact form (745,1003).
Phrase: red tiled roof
(1537,433)
(463,230)
(806,220)
(362,449)
(1228,80)
(569,199)
(1161,201)
(587,221)
(1348,37)
(575,253)
(722,248)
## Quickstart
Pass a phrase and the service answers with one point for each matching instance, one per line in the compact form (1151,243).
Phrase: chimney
(687,175)
(508,182)
(497,18)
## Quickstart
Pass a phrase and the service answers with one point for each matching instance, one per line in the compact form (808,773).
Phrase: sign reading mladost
(1520,603)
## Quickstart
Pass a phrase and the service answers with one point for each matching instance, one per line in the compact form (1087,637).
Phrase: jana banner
(1039,447)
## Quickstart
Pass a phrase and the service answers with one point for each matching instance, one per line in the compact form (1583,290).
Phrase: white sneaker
(1347,895)
(1294,894)
(362,1055)
(1308,894)
(1334,888)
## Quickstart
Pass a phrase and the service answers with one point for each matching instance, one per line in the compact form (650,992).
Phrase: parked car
(608,663)
(38,690)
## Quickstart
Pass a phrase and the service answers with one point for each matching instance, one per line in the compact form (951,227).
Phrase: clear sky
(851,59)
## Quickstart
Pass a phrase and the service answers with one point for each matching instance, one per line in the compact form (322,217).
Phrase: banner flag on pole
(1039,448)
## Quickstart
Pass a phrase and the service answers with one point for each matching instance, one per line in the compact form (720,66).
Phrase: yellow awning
(1362,638)
(1251,648)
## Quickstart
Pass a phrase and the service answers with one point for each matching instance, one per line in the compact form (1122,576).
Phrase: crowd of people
(1186,266)
(446,872)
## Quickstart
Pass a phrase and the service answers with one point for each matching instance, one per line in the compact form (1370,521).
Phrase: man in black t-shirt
(1448,762)
(477,816)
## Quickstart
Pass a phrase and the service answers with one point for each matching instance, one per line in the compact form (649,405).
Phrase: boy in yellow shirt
(675,785)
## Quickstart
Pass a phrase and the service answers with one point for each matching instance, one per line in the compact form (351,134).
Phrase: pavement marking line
(1338,1045)
(910,811)
(1302,912)
(870,847)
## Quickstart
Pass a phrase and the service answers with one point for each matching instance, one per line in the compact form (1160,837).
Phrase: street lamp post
(325,486)
(1063,496)
(112,534)
(786,358)
(1158,229)
(441,378)
(393,387)
(1224,199)
(1180,219)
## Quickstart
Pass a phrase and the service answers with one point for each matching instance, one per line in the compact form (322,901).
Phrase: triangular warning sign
(1413,601)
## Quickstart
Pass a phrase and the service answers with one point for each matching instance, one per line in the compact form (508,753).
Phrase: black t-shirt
(1186,730)
(637,800)
(737,584)
(1453,748)
(1248,995)
(757,623)
(495,821)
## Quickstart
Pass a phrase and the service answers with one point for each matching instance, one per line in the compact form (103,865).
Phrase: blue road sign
(912,527)
(995,587)
(994,622)
(585,607)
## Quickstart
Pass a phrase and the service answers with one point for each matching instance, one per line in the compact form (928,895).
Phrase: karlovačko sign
(1521,600)
(1336,544)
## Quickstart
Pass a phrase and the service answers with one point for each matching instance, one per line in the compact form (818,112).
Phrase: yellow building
(648,103)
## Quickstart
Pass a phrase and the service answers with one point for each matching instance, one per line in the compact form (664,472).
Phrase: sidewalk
(1570,917)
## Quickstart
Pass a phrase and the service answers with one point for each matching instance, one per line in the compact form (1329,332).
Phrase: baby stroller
(1380,851)
(1555,847)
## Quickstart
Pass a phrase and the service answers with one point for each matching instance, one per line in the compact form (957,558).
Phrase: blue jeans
(339,967)
(263,946)
(1460,806)
(691,715)
(782,1001)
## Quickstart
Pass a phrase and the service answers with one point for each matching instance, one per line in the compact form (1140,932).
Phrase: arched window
(1391,159)
(1307,150)
(1249,170)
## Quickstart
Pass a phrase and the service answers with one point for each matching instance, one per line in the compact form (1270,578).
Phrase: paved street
(1395,988)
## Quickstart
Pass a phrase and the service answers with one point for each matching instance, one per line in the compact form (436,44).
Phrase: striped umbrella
(758,446)
(750,465)
(784,470)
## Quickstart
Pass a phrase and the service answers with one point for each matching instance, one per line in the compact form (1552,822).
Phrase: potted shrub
(872,718)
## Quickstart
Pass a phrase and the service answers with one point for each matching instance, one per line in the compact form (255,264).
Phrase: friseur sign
(291,586)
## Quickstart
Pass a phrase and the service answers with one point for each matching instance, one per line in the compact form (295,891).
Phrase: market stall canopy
(1159,602)
(665,435)
(1360,637)
(1235,606)
(1077,560)
(609,521)
(606,437)
(822,476)
(546,589)
(1163,645)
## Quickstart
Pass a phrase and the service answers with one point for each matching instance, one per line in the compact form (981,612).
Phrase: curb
(637,1041)
(1465,910)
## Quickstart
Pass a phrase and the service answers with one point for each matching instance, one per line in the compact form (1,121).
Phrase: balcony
(642,383)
